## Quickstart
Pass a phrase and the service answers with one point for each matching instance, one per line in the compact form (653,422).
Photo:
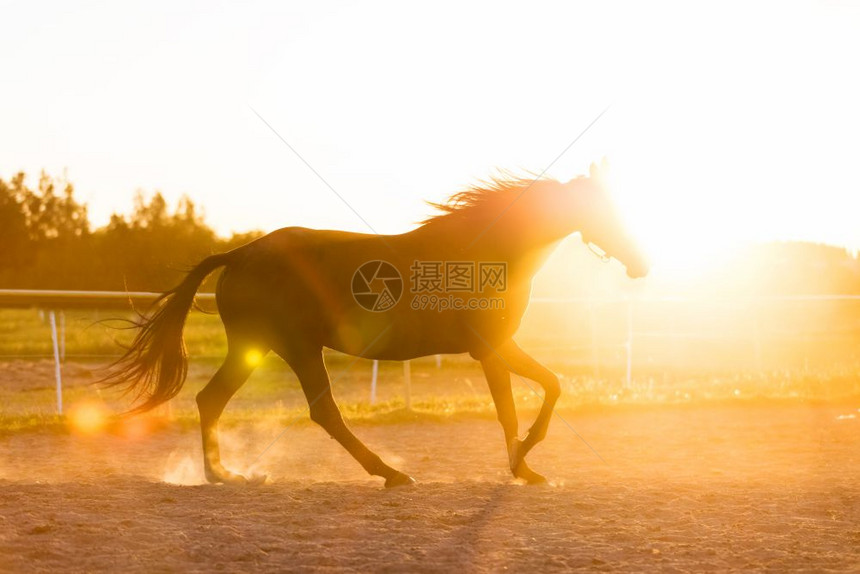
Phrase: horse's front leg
(211,402)
(499,381)
(521,363)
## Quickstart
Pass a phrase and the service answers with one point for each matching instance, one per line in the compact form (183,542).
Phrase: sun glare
(709,153)
(135,428)
(88,417)
(253,357)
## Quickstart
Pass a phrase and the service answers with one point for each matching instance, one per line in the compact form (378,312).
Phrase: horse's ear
(604,165)
(593,171)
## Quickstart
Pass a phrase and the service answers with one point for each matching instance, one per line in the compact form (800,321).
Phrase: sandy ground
(682,490)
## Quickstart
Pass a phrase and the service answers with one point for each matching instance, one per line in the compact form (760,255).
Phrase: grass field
(454,387)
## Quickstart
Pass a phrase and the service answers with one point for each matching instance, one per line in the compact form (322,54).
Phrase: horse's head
(602,227)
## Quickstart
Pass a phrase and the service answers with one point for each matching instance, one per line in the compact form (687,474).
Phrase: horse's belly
(387,338)
(414,334)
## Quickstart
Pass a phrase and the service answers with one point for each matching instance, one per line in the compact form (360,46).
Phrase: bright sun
(709,153)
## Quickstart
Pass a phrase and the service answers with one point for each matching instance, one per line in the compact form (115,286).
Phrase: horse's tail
(154,367)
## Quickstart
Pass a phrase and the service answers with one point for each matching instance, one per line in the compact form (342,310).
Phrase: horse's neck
(524,253)
(528,263)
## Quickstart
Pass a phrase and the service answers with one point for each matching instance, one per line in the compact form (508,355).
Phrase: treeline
(47,240)
(794,268)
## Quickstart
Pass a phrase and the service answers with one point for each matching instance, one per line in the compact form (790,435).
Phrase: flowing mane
(487,197)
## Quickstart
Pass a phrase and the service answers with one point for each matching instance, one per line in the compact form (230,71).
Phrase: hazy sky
(728,121)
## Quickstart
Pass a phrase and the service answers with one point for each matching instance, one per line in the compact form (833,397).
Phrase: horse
(297,291)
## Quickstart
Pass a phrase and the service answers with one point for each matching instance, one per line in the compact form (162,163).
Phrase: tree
(51,216)
(151,248)
(14,236)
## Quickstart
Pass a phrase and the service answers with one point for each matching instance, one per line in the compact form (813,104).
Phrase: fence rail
(56,301)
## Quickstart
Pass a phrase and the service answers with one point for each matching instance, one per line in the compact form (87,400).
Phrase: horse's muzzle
(638,271)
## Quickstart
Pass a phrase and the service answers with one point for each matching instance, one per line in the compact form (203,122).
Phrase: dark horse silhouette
(296,291)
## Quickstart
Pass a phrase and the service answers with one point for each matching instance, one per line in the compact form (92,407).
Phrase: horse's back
(294,279)
(297,285)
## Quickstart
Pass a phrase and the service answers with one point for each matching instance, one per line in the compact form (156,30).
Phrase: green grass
(456,390)
(95,334)
(10,424)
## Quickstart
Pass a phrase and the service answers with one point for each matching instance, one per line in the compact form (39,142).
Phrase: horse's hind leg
(312,374)
(211,402)
(499,381)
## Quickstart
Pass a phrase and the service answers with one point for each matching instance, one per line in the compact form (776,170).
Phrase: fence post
(62,335)
(629,345)
(407,379)
(373,376)
(52,317)
(757,340)
(595,350)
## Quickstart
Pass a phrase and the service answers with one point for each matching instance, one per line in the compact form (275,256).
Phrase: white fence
(55,302)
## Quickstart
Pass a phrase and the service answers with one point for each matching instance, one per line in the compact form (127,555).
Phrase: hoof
(519,467)
(399,479)
(535,478)
(224,476)
(514,457)
(257,479)
(525,473)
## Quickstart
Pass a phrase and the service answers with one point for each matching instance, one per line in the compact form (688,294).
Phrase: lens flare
(253,357)
(134,428)
(88,417)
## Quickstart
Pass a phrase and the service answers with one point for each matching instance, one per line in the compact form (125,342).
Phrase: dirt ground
(682,490)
